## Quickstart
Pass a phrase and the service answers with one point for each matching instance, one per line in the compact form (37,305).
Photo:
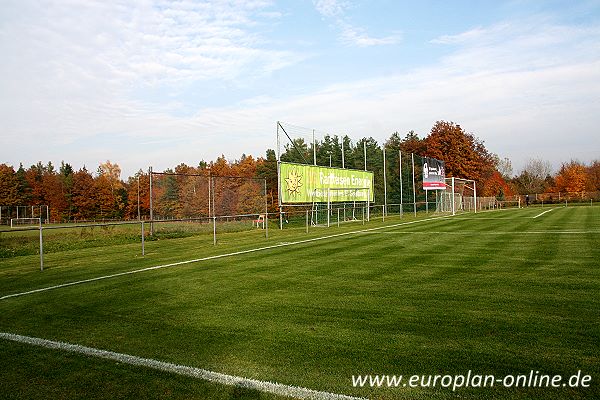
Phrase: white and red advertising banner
(434,174)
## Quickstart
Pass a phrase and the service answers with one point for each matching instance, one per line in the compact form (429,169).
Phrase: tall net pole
(413,184)
(384,185)
(400,172)
(475,195)
(151,209)
(365,153)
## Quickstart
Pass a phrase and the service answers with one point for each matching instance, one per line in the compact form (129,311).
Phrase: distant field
(500,292)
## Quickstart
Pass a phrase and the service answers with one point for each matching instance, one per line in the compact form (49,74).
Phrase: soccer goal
(460,196)
(24,222)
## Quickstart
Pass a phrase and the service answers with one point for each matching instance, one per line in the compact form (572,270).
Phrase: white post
(143,245)
(368,204)
(214,230)
(266,219)
(151,203)
(343,161)
(314,149)
(475,195)
(400,172)
(41,247)
(328,205)
(338,216)
(365,153)
(306,221)
(384,187)
(413,183)
(453,209)
(138,196)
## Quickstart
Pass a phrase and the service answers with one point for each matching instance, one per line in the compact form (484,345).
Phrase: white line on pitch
(216,377)
(547,211)
(487,233)
(236,253)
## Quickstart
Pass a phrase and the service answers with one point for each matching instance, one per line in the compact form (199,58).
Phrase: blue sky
(159,83)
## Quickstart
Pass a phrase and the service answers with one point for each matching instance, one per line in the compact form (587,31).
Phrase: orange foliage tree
(571,178)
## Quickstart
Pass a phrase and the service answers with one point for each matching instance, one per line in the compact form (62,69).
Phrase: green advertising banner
(301,183)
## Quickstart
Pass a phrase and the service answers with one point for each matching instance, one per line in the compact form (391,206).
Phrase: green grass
(496,293)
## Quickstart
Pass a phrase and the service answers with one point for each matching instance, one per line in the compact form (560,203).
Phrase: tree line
(102,194)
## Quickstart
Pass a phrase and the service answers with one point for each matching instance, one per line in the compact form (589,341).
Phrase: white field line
(488,233)
(236,253)
(547,211)
(216,377)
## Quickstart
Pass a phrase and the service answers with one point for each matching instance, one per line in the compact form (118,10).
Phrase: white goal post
(24,222)
(460,195)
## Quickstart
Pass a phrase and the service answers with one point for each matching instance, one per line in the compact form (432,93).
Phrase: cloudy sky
(159,83)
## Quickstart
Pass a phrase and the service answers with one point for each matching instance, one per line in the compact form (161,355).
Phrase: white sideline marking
(547,211)
(216,377)
(488,233)
(236,253)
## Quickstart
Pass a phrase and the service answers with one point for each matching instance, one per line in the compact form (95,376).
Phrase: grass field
(498,292)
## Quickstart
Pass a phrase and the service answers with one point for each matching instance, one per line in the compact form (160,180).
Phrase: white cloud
(351,35)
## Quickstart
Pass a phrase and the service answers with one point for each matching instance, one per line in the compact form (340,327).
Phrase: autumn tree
(593,176)
(83,196)
(9,186)
(464,155)
(571,178)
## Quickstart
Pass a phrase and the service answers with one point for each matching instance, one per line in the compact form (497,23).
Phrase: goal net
(24,222)
(459,196)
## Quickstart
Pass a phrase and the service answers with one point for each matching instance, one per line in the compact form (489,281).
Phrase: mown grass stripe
(214,257)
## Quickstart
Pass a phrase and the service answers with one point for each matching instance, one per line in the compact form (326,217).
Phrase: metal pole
(328,205)
(41,247)
(47,214)
(426,202)
(400,172)
(306,221)
(212,184)
(214,230)
(151,203)
(338,216)
(413,183)
(314,149)
(453,209)
(278,143)
(368,204)
(266,219)
(343,161)
(143,244)
(475,196)
(365,152)
(138,196)
(384,187)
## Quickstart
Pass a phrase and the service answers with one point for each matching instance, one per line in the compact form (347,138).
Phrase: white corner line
(542,213)
(236,253)
(199,373)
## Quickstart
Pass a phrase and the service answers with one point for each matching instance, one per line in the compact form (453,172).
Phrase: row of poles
(280,126)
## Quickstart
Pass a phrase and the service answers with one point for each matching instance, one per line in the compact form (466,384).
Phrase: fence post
(338,216)
(306,221)
(214,230)
(266,219)
(41,247)
(143,244)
